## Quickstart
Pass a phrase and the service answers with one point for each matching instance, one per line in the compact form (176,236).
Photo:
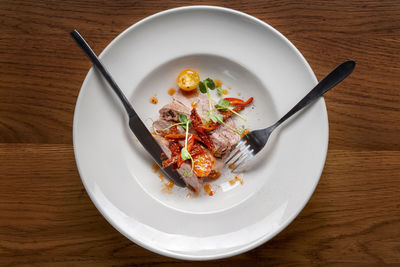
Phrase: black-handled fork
(249,145)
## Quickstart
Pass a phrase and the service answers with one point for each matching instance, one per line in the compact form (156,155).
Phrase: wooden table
(47,218)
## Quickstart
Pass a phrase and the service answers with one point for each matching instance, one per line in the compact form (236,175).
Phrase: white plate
(252,58)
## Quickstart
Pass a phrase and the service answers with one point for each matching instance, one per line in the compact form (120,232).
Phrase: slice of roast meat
(200,102)
(224,139)
(159,126)
(170,112)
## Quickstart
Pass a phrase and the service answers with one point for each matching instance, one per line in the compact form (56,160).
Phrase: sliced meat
(203,106)
(170,112)
(224,138)
(221,143)
(181,99)
(231,135)
(191,181)
(160,125)
(200,102)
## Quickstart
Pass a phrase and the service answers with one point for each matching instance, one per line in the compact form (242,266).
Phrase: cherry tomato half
(188,80)
(202,164)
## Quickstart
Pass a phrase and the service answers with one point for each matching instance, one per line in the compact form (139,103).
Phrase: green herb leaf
(215,117)
(219,91)
(209,83)
(185,154)
(187,173)
(202,87)
(222,104)
(182,118)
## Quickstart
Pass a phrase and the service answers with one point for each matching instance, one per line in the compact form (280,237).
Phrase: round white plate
(250,57)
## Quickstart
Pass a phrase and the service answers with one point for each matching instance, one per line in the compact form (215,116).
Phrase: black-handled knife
(135,123)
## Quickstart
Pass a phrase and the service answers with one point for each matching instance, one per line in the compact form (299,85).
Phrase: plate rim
(264,238)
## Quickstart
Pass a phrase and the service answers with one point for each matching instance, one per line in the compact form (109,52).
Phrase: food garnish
(185,155)
(182,122)
(196,153)
(188,80)
(154,100)
(239,102)
(219,91)
(197,125)
(223,104)
(171,91)
(202,164)
(244,132)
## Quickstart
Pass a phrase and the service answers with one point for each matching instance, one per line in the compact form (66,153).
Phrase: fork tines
(240,155)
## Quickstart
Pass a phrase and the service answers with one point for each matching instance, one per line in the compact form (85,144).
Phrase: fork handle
(331,80)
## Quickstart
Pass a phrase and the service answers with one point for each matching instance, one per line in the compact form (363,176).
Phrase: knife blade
(151,145)
(135,123)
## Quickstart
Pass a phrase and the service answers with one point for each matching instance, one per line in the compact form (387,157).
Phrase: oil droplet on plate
(237,178)
(161,176)
(167,187)
(217,82)
(154,100)
(208,190)
(155,167)
(171,91)
(245,131)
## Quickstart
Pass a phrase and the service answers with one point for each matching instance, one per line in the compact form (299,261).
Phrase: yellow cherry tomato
(202,164)
(188,80)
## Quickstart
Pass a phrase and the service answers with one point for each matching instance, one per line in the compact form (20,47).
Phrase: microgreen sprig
(224,104)
(217,118)
(219,90)
(182,122)
(184,151)
(204,86)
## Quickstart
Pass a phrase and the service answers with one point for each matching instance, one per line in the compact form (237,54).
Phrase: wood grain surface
(47,218)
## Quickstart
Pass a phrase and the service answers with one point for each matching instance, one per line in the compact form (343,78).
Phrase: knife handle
(96,62)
